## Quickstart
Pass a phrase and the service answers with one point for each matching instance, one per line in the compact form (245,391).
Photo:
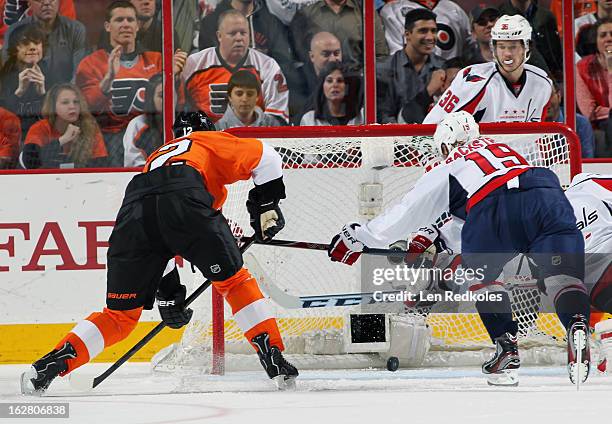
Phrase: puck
(392,364)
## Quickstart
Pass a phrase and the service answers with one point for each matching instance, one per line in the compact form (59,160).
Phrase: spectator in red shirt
(68,137)
(10,137)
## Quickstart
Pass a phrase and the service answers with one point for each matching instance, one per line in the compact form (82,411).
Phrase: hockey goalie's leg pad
(251,310)
(98,331)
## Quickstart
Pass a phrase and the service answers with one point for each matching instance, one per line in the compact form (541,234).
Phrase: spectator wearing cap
(408,80)
(65,40)
(483,20)
(545,33)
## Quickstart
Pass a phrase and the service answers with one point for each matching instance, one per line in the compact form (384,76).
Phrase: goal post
(334,175)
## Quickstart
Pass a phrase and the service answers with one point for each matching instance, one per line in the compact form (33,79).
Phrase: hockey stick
(289,301)
(85,382)
(321,246)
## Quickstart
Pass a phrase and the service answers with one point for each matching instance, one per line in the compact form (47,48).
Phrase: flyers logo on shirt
(127,95)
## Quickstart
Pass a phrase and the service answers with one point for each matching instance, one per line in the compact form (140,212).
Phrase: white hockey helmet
(456,128)
(514,27)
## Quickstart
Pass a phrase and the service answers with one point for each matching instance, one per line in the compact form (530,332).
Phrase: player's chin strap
(92,383)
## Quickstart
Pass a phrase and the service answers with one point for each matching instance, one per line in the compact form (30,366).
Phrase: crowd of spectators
(77,95)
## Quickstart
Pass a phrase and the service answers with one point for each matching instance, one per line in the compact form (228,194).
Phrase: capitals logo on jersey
(471,77)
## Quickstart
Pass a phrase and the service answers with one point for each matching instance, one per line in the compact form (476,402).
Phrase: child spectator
(68,137)
(145,133)
(23,81)
(243,91)
(10,137)
(65,39)
(338,99)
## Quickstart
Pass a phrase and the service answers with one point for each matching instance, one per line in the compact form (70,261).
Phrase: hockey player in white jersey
(590,196)
(509,207)
(507,90)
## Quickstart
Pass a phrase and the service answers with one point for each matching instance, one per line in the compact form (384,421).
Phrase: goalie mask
(456,129)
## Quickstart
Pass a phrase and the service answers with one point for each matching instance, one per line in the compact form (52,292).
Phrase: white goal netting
(332,179)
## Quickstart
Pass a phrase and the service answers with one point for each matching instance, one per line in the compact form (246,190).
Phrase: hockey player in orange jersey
(172,208)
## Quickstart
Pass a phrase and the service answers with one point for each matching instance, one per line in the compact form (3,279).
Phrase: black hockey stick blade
(321,246)
(83,382)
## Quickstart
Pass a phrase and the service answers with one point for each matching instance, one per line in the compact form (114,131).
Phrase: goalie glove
(262,204)
(345,247)
(172,308)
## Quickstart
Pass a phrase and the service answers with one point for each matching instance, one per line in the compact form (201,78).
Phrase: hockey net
(335,175)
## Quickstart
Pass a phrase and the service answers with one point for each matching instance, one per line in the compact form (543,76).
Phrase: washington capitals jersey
(591,198)
(482,91)
(453,25)
(126,97)
(470,173)
(207,75)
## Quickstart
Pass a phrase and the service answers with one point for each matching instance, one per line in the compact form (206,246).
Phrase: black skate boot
(271,358)
(501,368)
(578,350)
(37,379)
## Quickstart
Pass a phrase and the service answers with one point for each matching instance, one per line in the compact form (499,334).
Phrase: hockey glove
(172,308)
(345,247)
(420,252)
(265,215)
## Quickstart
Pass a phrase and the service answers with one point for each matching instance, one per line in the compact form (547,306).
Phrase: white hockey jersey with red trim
(482,91)
(591,198)
(471,172)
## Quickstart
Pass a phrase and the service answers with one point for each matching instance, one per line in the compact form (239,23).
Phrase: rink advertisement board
(54,231)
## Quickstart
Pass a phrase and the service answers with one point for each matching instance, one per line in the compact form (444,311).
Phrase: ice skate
(37,379)
(578,350)
(501,369)
(279,370)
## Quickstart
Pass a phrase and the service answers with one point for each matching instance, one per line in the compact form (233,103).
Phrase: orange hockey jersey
(206,76)
(126,97)
(42,133)
(221,159)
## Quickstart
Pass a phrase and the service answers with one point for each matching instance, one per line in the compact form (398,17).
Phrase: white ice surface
(133,395)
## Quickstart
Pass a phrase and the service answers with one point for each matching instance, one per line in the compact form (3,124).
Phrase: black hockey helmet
(188,122)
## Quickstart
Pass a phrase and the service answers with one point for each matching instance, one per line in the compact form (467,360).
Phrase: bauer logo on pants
(215,269)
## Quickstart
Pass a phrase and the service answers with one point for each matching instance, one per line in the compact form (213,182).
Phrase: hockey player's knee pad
(115,325)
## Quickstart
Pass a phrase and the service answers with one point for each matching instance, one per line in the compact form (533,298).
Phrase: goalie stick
(87,382)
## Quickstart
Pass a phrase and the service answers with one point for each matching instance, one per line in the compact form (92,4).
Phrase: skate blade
(506,378)
(579,371)
(27,388)
(284,383)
